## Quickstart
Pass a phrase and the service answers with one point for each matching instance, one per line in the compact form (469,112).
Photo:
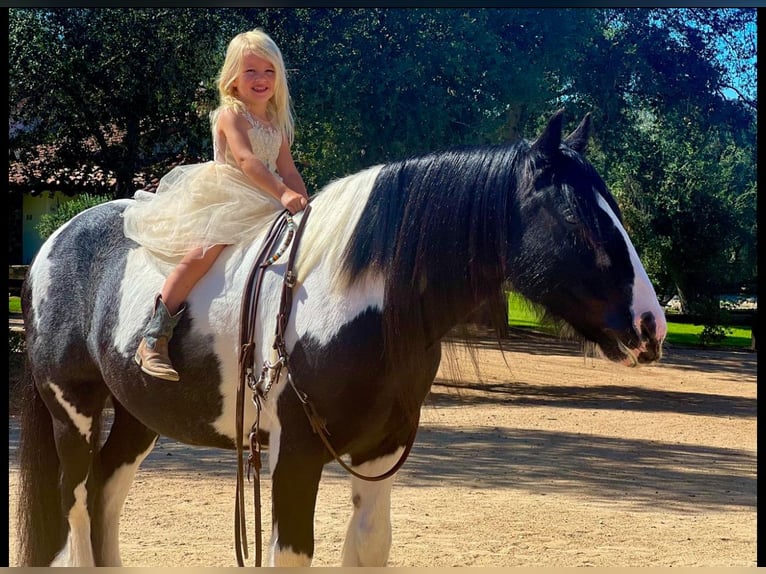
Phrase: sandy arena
(551,460)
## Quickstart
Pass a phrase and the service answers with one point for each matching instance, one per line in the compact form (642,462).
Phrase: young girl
(199,209)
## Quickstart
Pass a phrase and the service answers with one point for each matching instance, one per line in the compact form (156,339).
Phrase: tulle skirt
(198,205)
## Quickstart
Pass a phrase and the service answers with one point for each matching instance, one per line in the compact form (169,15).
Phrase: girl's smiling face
(255,82)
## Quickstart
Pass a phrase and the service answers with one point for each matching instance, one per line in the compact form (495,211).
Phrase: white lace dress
(206,204)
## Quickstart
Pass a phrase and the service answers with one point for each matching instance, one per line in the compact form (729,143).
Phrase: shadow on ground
(650,473)
(604,397)
(653,474)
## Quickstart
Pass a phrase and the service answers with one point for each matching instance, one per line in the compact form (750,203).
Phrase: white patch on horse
(116,491)
(82,423)
(78,550)
(275,439)
(368,537)
(217,305)
(322,317)
(338,208)
(40,274)
(322,305)
(286,556)
(213,307)
(644,298)
(141,283)
(319,310)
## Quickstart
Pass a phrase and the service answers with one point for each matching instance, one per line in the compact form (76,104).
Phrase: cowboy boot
(152,354)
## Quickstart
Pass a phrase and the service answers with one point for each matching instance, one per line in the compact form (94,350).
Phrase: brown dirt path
(552,460)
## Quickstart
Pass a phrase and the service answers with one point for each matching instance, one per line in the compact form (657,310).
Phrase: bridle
(270,374)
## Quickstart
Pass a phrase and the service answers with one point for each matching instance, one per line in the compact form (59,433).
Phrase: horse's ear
(549,141)
(578,139)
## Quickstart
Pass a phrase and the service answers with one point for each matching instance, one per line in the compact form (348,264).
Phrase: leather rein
(270,374)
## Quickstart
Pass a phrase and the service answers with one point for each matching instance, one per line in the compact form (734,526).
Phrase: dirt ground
(551,460)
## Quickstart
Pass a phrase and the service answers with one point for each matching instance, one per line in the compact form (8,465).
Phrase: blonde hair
(259,43)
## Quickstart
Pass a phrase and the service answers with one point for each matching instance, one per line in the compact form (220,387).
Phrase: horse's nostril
(648,326)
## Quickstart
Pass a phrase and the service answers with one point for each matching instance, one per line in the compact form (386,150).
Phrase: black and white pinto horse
(392,258)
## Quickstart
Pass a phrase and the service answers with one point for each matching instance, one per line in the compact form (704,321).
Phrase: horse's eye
(570,216)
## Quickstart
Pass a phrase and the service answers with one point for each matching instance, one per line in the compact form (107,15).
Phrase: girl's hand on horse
(293,201)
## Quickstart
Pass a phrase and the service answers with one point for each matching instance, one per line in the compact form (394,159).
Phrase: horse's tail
(40,521)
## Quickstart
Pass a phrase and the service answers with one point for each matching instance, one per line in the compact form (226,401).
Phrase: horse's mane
(435,226)
(451,196)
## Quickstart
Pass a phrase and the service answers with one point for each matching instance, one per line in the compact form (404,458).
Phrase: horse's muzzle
(637,345)
(651,334)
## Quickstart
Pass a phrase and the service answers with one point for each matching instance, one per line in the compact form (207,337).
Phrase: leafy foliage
(114,86)
(672,92)
(50,222)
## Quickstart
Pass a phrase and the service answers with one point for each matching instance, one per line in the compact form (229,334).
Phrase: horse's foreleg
(295,482)
(128,444)
(368,538)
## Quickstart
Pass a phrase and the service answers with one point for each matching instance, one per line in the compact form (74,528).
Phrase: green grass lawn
(14,304)
(522,315)
(687,334)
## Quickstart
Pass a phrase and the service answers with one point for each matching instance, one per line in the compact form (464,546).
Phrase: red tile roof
(42,170)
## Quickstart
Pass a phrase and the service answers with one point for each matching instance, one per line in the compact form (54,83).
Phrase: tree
(672,92)
(379,84)
(689,197)
(678,153)
(725,37)
(120,87)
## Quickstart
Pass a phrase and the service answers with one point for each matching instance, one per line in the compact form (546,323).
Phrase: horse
(391,260)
